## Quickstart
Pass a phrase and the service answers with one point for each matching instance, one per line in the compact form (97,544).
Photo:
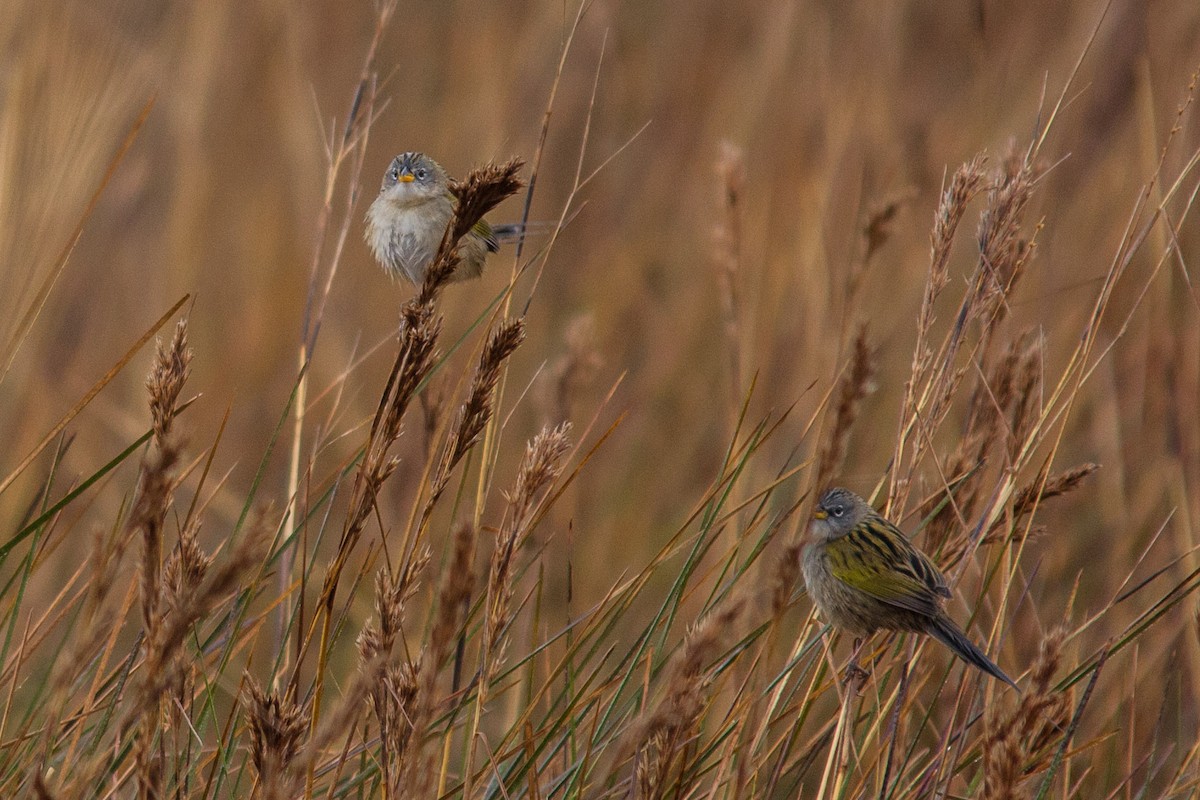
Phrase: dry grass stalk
(155,486)
(1017,742)
(414,768)
(343,717)
(454,596)
(966,183)
(483,189)
(1003,253)
(787,572)
(854,388)
(539,468)
(574,371)
(1026,408)
(277,727)
(1031,495)
(391,697)
(659,736)
(219,581)
(1001,395)
(1003,256)
(171,369)
(731,178)
(183,573)
(477,410)
(418,337)
(147,517)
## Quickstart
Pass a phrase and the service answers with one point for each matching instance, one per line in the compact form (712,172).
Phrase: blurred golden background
(838,107)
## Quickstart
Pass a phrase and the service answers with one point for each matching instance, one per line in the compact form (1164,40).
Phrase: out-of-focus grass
(838,111)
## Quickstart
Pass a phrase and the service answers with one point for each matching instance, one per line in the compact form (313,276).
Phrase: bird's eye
(421,174)
(394,174)
(837,511)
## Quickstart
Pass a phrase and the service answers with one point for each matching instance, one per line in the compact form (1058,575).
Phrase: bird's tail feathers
(945,631)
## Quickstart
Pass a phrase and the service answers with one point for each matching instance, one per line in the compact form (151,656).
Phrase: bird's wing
(876,559)
(484,231)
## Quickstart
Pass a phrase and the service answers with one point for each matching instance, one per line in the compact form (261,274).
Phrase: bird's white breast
(405,237)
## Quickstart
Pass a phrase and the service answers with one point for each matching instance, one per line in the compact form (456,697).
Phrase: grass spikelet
(1016,742)
(967,181)
(171,369)
(660,735)
(483,189)
(477,410)
(277,727)
(1029,496)
(854,387)
(539,468)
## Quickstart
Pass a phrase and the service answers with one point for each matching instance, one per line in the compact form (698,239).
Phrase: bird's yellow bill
(406,178)
(819,514)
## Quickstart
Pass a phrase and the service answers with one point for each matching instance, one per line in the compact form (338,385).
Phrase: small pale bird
(408,219)
(863,574)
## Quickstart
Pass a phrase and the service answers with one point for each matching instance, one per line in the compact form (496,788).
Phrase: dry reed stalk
(965,184)
(277,727)
(483,189)
(995,401)
(156,484)
(391,698)
(183,574)
(727,250)
(477,409)
(219,582)
(659,736)
(341,719)
(1016,742)
(175,620)
(872,236)
(1026,410)
(1003,253)
(854,388)
(171,369)
(1031,495)
(454,595)
(574,371)
(415,768)
(351,146)
(539,468)
(1003,256)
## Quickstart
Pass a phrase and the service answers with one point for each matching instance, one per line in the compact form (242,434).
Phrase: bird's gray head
(837,512)
(414,175)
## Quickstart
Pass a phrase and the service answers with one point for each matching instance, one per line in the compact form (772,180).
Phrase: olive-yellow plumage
(863,574)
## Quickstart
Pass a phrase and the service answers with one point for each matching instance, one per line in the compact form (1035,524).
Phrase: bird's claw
(855,677)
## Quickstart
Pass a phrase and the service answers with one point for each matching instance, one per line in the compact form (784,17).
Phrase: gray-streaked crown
(843,510)
(423,169)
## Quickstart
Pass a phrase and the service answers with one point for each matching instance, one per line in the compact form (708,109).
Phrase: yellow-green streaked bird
(863,574)
(408,219)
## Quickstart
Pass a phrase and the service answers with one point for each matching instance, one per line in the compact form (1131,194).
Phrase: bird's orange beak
(406,178)
(820,514)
